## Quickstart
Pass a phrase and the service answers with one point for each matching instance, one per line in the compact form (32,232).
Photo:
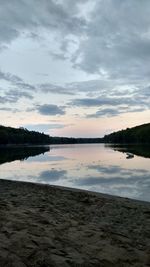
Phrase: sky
(74,68)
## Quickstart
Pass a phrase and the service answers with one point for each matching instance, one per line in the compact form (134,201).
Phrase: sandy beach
(47,226)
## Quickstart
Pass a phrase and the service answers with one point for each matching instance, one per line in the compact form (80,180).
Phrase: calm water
(95,167)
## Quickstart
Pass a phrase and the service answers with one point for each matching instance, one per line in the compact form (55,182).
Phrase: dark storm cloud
(49,109)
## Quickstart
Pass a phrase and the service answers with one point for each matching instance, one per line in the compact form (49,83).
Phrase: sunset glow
(75,68)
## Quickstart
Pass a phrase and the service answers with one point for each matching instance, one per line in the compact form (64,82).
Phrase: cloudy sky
(74,68)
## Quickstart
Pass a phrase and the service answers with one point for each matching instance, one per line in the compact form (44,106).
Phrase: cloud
(112,100)
(94,102)
(115,103)
(111,37)
(49,109)
(15,90)
(74,88)
(106,100)
(15,95)
(13,110)
(106,112)
(16,81)
(107,38)
(117,42)
(4,100)
(133,183)
(113,170)
(5,109)
(9,77)
(24,16)
(52,175)
(111,112)
(55,89)
(12,96)
(114,181)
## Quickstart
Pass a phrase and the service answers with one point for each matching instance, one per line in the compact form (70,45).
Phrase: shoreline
(45,225)
(77,190)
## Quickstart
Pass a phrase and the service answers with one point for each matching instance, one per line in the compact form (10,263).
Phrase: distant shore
(44,226)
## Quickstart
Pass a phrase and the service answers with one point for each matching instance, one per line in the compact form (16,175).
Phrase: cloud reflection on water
(133,183)
(91,167)
(51,175)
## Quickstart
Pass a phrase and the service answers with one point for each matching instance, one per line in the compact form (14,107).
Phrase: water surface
(95,167)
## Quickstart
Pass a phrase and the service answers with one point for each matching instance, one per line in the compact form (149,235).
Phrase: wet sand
(48,226)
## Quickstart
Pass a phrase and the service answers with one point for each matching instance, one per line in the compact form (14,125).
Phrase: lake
(113,169)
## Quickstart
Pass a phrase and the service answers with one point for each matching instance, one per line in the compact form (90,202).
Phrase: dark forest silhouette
(139,134)
(12,153)
(142,150)
(9,135)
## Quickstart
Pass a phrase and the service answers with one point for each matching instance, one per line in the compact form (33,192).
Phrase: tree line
(10,135)
(139,134)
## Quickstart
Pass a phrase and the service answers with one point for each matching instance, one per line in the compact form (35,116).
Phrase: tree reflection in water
(139,150)
(12,153)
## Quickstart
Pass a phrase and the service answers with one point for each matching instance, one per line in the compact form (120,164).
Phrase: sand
(47,226)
